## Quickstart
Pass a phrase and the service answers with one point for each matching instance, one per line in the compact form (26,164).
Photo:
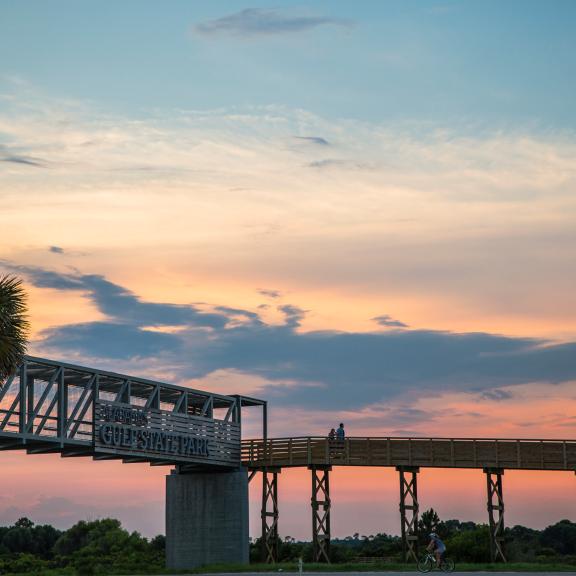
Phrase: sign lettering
(117,436)
(135,431)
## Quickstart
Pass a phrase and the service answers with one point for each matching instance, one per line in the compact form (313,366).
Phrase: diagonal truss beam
(81,403)
(36,410)
(181,406)
(47,414)
(154,399)
(123,395)
(10,412)
(6,386)
(208,408)
(232,412)
(92,388)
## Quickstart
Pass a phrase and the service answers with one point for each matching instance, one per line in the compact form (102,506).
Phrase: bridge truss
(49,406)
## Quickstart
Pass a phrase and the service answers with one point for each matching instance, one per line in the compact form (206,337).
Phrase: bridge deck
(419,452)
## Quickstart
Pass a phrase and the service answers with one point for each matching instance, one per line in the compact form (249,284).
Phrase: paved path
(456,573)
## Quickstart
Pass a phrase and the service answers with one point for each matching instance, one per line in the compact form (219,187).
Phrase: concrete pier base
(206,519)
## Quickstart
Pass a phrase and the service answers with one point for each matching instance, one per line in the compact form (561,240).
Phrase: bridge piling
(321,512)
(409,511)
(269,515)
(495,506)
(206,518)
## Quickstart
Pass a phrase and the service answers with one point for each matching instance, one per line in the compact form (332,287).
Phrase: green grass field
(350,567)
(384,567)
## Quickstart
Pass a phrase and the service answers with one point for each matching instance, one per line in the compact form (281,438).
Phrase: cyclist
(437,546)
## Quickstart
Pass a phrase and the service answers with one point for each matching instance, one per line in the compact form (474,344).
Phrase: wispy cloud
(293,315)
(389,322)
(121,304)
(314,140)
(27,161)
(259,22)
(12,157)
(497,394)
(330,163)
(269,293)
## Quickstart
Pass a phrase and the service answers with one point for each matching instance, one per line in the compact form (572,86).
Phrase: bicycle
(428,563)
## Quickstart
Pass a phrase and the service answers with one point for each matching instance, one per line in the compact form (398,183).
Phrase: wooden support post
(269,515)
(495,505)
(409,511)
(321,513)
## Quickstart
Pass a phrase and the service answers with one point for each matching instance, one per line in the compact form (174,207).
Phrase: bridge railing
(534,454)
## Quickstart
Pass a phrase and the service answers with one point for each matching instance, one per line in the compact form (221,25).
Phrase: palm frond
(14,326)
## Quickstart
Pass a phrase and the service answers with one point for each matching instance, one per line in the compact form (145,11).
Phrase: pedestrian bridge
(54,407)
(407,455)
(519,454)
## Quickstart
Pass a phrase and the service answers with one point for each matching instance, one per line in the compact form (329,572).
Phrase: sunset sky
(360,211)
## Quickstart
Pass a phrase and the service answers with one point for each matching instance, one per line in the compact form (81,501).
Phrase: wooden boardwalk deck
(508,454)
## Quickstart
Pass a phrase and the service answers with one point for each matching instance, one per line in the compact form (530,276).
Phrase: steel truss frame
(495,506)
(48,406)
(269,515)
(409,511)
(321,505)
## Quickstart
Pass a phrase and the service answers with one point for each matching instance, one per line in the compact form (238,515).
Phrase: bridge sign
(159,434)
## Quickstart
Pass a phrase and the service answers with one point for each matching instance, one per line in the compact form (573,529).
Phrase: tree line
(465,542)
(99,546)
(105,547)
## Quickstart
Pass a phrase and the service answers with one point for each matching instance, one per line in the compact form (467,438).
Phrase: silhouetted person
(332,442)
(340,434)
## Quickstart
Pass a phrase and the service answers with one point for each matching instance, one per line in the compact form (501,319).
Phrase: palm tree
(14,325)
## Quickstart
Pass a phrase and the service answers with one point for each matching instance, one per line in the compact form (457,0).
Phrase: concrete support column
(206,519)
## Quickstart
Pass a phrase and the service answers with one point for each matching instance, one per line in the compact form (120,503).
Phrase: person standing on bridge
(332,441)
(340,434)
